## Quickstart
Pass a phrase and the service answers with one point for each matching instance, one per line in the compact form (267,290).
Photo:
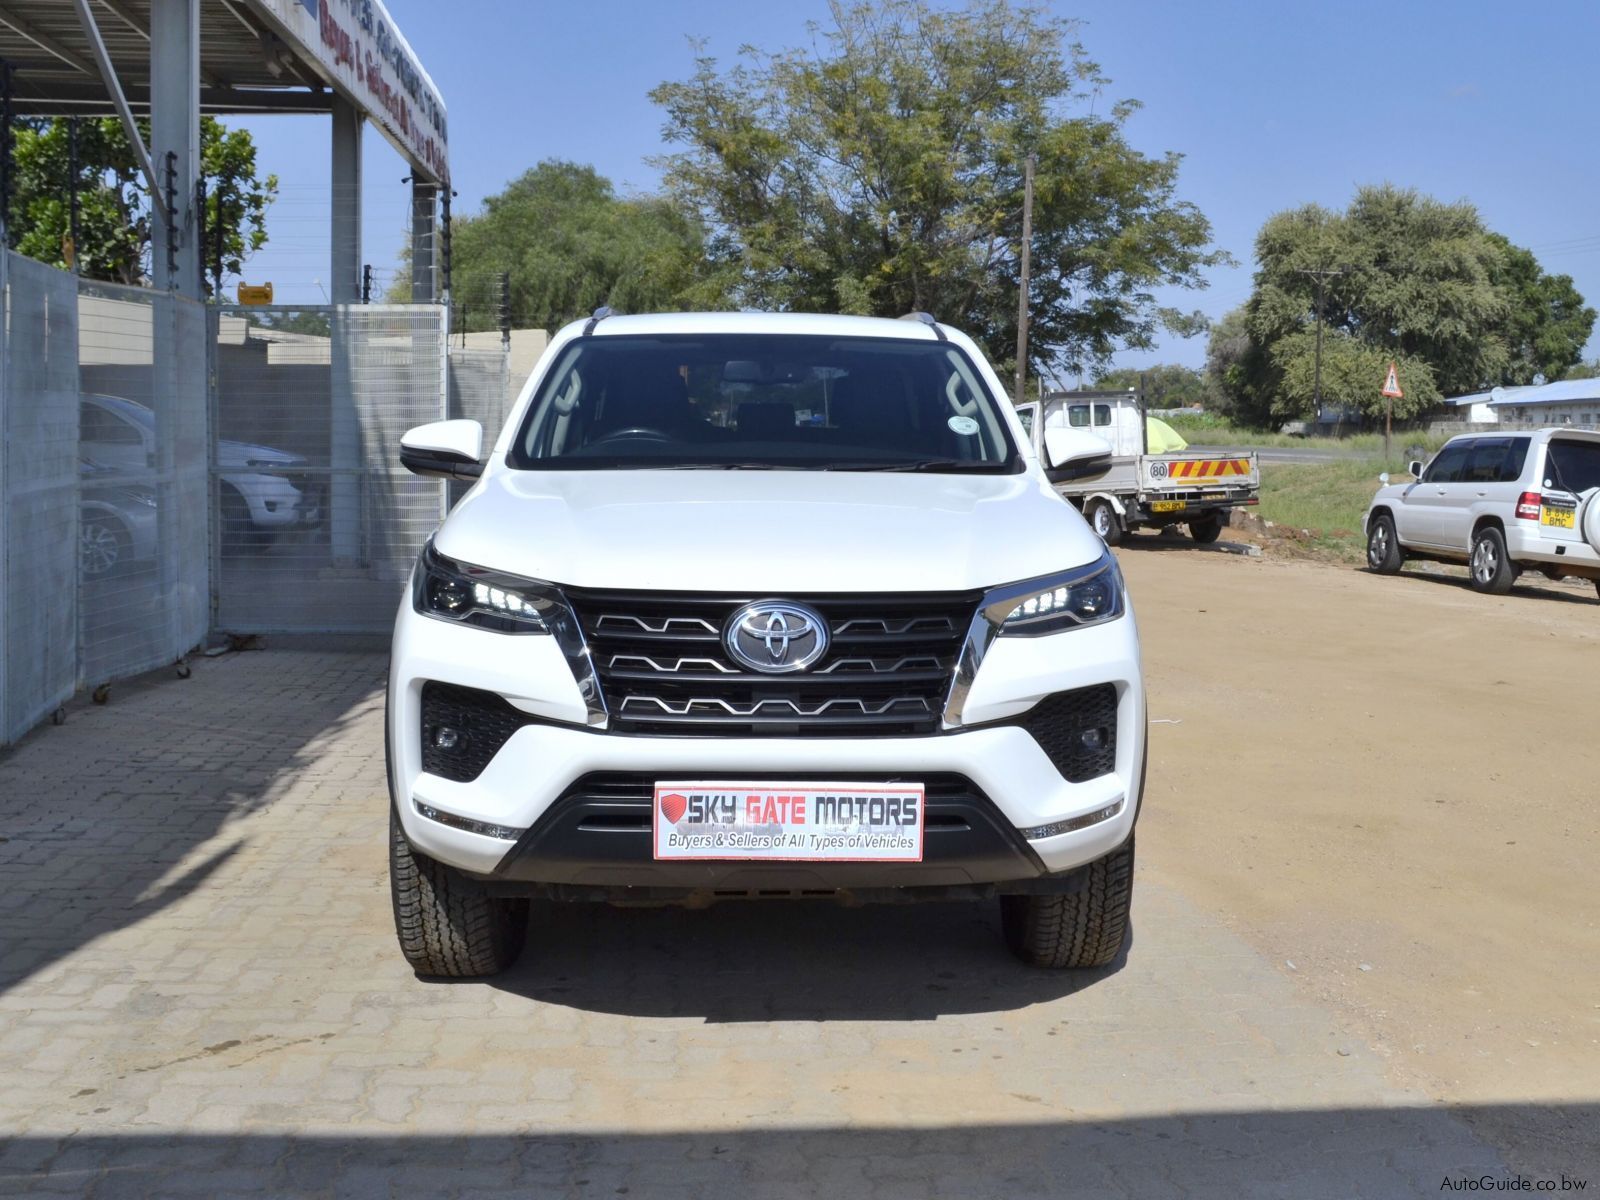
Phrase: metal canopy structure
(171,60)
(244,66)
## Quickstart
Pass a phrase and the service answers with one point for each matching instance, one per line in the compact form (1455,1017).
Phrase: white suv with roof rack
(1502,503)
(746,605)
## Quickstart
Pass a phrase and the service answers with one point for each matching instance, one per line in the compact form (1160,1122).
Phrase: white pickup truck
(1187,487)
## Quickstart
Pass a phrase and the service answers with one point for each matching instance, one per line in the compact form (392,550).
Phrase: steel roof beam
(108,76)
(45,42)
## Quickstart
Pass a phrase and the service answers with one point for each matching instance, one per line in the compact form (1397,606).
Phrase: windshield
(753,401)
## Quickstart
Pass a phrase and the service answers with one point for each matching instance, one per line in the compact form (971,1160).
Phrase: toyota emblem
(776,637)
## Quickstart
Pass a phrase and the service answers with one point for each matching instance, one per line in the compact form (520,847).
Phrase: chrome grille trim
(710,664)
(760,707)
(665,669)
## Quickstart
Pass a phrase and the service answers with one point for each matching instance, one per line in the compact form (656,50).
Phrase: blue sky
(1271,105)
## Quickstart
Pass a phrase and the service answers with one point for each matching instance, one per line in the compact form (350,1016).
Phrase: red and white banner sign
(788,822)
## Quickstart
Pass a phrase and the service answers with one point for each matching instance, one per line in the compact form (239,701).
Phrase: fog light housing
(1073,824)
(1092,739)
(447,738)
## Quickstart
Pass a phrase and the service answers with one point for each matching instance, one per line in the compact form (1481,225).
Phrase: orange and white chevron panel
(1208,468)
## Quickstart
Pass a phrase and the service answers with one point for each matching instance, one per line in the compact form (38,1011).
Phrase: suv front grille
(663,668)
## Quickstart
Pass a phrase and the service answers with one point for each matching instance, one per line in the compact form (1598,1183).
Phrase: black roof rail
(599,314)
(927,319)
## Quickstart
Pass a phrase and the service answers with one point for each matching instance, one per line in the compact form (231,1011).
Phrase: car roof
(1542,435)
(821,324)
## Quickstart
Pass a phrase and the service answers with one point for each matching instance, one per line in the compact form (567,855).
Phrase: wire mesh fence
(317,523)
(170,469)
(39,489)
(144,562)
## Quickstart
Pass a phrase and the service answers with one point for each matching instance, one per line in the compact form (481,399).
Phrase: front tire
(448,924)
(1384,554)
(1103,519)
(1491,571)
(1078,929)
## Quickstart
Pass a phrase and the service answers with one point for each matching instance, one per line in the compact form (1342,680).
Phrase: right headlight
(470,595)
(1087,595)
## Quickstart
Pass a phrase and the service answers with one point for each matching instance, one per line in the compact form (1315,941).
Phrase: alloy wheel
(97,548)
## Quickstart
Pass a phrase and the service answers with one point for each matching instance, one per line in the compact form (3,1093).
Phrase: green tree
(881,172)
(1547,323)
(1230,372)
(1584,370)
(1167,385)
(571,244)
(113,205)
(1399,277)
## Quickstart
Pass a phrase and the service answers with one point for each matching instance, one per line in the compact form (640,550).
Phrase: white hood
(767,532)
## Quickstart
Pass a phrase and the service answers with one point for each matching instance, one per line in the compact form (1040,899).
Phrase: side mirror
(1074,454)
(1416,468)
(447,449)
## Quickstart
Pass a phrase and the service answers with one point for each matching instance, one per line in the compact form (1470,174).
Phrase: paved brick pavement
(200,995)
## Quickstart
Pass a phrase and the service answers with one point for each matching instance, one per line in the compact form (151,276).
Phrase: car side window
(99,427)
(1102,414)
(1486,462)
(1447,465)
(1516,458)
(1078,416)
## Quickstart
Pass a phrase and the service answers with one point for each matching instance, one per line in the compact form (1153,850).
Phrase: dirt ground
(1389,786)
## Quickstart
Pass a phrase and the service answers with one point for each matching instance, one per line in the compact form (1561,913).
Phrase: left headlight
(1087,595)
(470,595)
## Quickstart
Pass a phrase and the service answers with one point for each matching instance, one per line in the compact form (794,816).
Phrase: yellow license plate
(1169,505)
(1559,518)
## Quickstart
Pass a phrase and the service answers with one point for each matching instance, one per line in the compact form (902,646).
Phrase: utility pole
(1321,276)
(1022,294)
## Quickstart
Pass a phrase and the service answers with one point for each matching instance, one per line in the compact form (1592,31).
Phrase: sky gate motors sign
(359,44)
(788,822)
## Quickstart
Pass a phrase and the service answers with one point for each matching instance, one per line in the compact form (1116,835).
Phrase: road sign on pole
(1391,393)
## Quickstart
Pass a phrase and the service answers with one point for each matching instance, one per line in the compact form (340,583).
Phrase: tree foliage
(113,205)
(881,172)
(1167,385)
(571,244)
(1547,323)
(1404,279)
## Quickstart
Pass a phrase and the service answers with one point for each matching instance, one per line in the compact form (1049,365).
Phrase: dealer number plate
(1169,505)
(788,822)
(1559,518)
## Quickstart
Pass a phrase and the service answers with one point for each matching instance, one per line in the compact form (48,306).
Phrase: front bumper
(528,784)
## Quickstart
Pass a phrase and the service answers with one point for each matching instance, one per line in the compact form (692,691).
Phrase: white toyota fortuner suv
(746,605)
(1501,503)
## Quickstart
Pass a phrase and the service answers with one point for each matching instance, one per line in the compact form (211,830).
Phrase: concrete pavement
(200,994)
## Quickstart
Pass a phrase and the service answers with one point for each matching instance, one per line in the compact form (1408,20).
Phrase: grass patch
(1329,499)
(1211,431)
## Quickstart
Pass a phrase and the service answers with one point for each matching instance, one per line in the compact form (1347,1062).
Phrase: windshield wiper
(713,466)
(920,464)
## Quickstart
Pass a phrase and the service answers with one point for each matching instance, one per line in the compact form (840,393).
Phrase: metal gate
(317,524)
(38,491)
